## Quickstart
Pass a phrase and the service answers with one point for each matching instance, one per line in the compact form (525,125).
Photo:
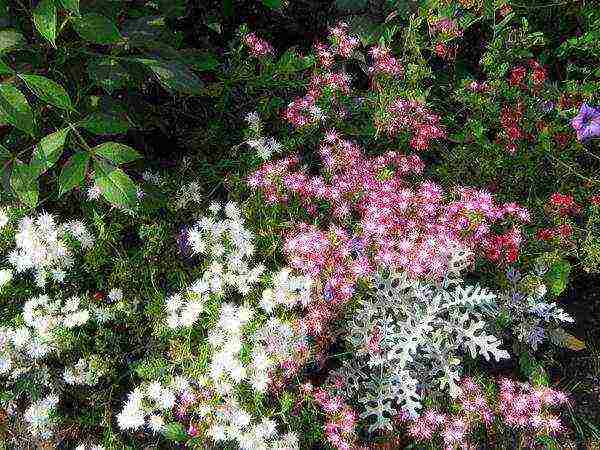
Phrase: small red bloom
(545,234)
(517,75)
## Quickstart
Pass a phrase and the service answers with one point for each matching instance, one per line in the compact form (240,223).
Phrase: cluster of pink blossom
(305,110)
(520,407)
(410,227)
(343,43)
(447,27)
(384,62)
(524,407)
(341,419)
(257,47)
(417,117)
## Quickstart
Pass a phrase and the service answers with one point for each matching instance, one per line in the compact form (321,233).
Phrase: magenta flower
(587,123)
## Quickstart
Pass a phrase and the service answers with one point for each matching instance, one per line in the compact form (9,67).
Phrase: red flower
(517,75)
(545,234)
(565,231)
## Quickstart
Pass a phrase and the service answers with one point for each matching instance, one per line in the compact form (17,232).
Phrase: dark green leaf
(116,153)
(558,276)
(97,29)
(175,432)
(102,124)
(44,18)
(48,90)
(228,8)
(199,60)
(172,8)
(48,150)
(71,5)
(15,109)
(174,76)
(73,172)
(11,40)
(115,185)
(5,69)
(143,31)
(350,5)
(273,4)
(23,181)
(108,73)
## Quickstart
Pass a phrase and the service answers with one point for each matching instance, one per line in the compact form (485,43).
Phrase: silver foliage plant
(533,319)
(408,339)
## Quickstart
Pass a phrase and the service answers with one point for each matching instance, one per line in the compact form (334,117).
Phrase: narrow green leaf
(71,5)
(48,150)
(4,153)
(10,40)
(97,29)
(115,185)
(15,109)
(175,432)
(73,172)
(273,4)
(44,19)
(102,124)
(116,153)
(23,181)
(48,90)
(174,75)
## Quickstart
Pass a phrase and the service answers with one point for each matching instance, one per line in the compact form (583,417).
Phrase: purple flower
(587,123)
(536,337)
(185,249)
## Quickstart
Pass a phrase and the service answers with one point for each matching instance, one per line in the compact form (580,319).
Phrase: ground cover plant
(299,224)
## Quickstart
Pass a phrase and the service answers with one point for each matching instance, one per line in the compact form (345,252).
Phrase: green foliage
(73,49)
(558,276)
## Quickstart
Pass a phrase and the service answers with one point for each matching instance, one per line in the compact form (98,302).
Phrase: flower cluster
(258,47)
(45,315)
(42,247)
(560,207)
(39,416)
(537,75)
(340,425)
(265,147)
(226,368)
(225,241)
(305,110)
(343,43)
(520,407)
(87,371)
(416,117)
(446,27)
(147,403)
(384,62)
(414,228)
(231,423)
(512,133)
(18,348)
(288,290)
